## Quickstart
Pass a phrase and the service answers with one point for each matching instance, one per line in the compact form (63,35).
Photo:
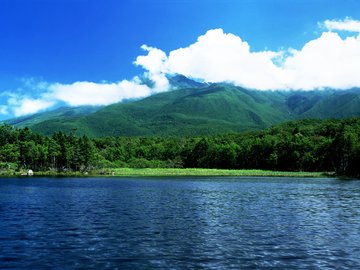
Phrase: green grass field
(208,172)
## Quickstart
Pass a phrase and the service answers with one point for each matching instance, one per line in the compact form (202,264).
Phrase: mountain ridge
(202,109)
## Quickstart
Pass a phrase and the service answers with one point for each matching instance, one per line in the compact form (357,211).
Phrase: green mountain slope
(337,105)
(204,109)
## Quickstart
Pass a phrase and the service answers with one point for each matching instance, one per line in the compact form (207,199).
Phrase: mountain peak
(180,81)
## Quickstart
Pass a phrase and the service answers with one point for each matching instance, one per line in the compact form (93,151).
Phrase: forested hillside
(306,145)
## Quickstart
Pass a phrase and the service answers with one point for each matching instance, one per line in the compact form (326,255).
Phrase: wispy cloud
(347,24)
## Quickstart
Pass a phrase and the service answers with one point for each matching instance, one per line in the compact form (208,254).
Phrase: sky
(88,52)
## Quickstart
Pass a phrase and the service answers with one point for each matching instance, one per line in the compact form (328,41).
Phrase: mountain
(196,110)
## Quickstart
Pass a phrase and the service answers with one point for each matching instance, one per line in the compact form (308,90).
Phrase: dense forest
(305,145)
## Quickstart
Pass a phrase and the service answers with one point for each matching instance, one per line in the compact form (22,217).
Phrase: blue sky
(52,44)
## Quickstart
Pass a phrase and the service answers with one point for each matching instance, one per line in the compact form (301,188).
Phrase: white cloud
(347,24)
(25,105)
(217,57)
(326,62)
(329,61)
(155,64)
(76,94)
(89,93)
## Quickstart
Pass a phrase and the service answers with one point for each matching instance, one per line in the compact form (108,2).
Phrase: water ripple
(179,223)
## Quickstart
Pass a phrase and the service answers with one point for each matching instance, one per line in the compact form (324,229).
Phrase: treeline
(306,145)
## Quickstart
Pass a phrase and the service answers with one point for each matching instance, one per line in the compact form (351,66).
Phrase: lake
(179,223)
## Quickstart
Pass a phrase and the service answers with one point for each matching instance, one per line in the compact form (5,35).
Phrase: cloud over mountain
(89,93)
(329,61)
(25,105)
(217,57)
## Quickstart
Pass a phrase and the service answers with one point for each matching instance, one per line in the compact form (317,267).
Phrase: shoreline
(172,172)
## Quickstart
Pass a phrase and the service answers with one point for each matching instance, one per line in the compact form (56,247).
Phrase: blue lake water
(179,223)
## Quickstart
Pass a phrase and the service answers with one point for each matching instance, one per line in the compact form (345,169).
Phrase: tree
(9,153)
